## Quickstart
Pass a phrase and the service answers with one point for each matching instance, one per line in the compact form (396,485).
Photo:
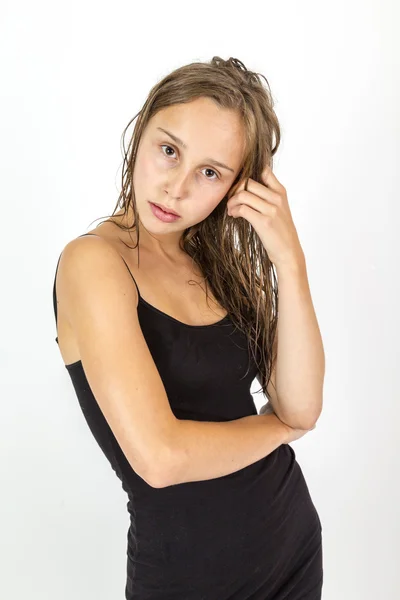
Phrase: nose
(176,186)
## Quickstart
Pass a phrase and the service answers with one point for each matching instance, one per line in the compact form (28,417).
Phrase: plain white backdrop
(72,76)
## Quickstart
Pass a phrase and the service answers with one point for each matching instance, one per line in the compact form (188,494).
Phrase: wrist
(294,266)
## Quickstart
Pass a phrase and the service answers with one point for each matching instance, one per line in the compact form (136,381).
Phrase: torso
(165,287)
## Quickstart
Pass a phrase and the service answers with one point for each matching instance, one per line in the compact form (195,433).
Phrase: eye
(166,146)
(206,169)
(212,170)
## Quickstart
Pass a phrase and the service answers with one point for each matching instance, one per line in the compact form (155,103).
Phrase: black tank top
(251,534)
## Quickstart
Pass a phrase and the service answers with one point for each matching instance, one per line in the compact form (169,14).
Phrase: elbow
(161,461)
(309,424)
(311,421)
(306,420)
(160,470)
(316,415)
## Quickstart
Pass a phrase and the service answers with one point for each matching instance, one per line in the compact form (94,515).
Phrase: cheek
(147,165)
(205,204)
(145,171)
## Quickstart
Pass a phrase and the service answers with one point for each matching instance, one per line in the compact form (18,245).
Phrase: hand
(265,206)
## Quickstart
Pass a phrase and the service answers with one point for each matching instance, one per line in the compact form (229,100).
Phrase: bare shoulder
(91,260)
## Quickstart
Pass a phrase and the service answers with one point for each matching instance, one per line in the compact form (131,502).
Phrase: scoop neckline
(157,310)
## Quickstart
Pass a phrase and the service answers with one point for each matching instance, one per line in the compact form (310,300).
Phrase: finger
(269,179)
(251,200)
(265,204)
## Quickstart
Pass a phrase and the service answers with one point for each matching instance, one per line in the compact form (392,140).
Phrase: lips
(167,210)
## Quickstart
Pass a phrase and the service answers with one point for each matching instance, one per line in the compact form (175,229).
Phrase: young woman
(166,313)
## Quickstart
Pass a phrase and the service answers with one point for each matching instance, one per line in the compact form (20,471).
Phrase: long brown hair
(228,251)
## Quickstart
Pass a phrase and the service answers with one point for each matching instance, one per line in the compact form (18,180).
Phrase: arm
(296,382)
(206,450)
(100,300)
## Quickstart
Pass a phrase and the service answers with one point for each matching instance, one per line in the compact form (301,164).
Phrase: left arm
(299,371)
(300,365)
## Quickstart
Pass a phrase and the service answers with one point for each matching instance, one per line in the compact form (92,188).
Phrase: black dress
(252,534)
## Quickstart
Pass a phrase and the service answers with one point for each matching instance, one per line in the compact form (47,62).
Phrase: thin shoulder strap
(134,280)
(55,276)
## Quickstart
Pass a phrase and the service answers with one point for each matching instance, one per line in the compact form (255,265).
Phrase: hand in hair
(265,205)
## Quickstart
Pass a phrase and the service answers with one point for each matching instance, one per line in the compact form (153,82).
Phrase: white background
(72,75)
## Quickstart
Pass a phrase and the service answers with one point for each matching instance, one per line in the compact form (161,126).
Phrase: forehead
(205,128)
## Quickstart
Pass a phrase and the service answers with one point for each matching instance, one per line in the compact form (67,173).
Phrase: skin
(182,179)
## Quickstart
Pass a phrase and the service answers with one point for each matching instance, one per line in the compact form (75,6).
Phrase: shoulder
(90,265)
(84,250)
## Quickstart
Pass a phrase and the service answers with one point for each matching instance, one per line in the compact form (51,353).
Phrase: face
(191,180)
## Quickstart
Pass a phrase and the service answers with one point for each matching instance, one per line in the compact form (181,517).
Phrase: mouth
(166,210)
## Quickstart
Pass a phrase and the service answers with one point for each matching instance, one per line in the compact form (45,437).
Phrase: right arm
(100,301)
(206,450)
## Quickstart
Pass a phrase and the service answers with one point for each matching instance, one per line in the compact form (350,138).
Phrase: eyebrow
(181,143)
